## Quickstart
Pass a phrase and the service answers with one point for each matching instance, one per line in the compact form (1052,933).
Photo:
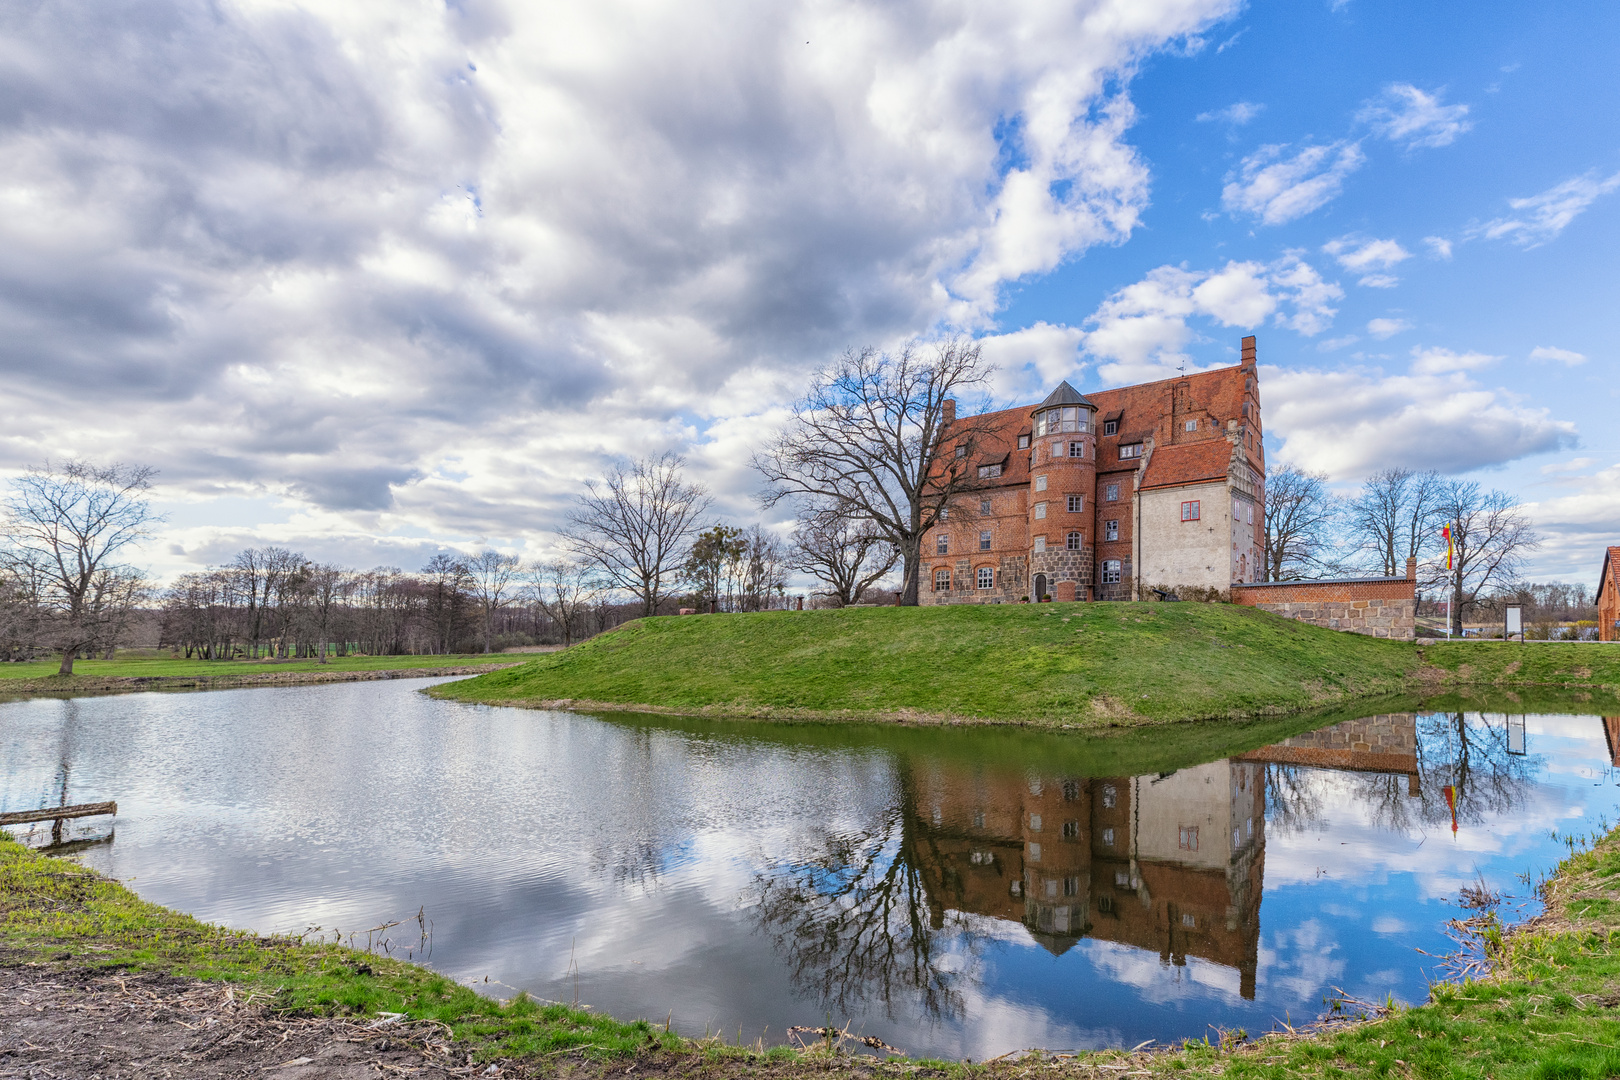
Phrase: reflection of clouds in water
(1389,924)
(1378,985)
(1160,981)
(1297,962)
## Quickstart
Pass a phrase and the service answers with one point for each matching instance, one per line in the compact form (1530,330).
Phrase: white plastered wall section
(1245,511)
(1171,551)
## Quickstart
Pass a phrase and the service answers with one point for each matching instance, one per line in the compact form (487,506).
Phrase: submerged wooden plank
(56,813)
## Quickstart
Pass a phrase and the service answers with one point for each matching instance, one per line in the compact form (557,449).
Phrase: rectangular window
(1040,483)
(1077,449)
(1189,511)
(1071,886)
(942,544)
(1108,836)
(1111,570)
(1040,510)
(1035,822)
(1191,425)
(1057,449)
(1189,921)
(984,540)
(1071,790)
(1040,544)
(942,580)
(1077,504)
(1071,829)
(1105,904)
(1122,879)
(987,577)
(984,506)
(961,451)
(1249,514)
(1023,442)
(1130,450)
(1111,492)
(944,512)
(989,472)
(1076,541)
(1188,838)
(1110,427)
(1111,530)
(1034,853)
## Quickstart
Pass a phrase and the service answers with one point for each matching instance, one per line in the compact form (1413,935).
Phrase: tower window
(1077,504)
(1076,541)
(1040,544)
(1065,418)
(984,540)
(1040,483)
(1040,510)
(1077,449)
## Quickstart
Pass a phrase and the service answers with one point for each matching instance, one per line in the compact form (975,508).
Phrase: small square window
(984,506)
(984,540)
(1057,449)
(1071,829)
(1111,571)
(1122,880)
(1077,504)
(1111,493)
(1189,921)
(1105,904)
(1040,544)
(1108,836)
(1191,425)
(1077,449)
(1040,510)
(961,451)
(1187,837)
(1075,541)
(1023,442)
(942,544)
(1040,483)
(1110,427)
(1034,823)
(1111,530)
(1190,510)
(987,577)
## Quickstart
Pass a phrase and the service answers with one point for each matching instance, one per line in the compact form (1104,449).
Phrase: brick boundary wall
(1378,607)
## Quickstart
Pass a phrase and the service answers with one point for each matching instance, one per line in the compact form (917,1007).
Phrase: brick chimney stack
(1248,351)
(950,410)
(1411,569)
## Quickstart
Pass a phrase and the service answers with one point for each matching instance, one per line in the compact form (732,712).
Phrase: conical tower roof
(1065,395)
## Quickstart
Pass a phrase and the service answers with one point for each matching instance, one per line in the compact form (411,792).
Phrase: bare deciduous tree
(872,434)
(1299,511)
(844,552)
(1490,537)
(565,591)
(67,524)
(634,526)
(492,574)
(763,576)
(1392,516)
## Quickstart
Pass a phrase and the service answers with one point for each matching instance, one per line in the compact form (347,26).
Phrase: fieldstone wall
(1069,569)
(1377,607)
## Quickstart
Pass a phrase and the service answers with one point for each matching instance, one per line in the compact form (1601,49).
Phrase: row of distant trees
(1400,514)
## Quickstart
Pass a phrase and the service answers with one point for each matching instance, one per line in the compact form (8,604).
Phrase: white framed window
(1110,427)
(942,579)
(1076,541)
(1023,442)
(1249,514)
(1130,450)
(1189,921)
(1191,425)
(961,451)
(1111,569)
(1111,493)
(1077,504)
(989,472)
(942,544)
(1040,483)
(1040,510)
(1077,449)
(1111,530)
(984,539)
(1122,880)
(1064,418)
(1057,449)
(1190,510)
(1040,544)
(987,577)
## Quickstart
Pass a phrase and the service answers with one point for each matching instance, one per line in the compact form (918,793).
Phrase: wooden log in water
(57,813)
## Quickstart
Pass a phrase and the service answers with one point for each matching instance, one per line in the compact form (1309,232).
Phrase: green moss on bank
(1075,664)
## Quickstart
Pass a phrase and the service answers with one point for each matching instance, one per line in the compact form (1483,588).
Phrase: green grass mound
(1081,664)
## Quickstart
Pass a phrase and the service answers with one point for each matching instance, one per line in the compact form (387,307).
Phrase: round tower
(1062,483)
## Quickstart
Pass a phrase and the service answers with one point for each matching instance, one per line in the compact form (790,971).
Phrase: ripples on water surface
(958,893)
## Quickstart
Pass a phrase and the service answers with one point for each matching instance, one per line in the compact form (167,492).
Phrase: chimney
(950,410)
(1248,351)
(1411,569)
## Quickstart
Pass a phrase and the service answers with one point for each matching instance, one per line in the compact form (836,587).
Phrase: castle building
(1157,486)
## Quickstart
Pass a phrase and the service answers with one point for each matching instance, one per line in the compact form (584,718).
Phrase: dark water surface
(958,893)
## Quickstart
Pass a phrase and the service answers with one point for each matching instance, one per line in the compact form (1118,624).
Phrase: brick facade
(1378,607)
(1608,597)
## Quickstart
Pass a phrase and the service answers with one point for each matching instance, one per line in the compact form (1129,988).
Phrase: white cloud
(1439,247)
(1546,354)
(1434,361)
(1237,114)
(1350,422)
(1142,330)
(1539,218)
(1404,114)
(1369,258)
(1034,359)
(1383,329)
(1335,344)
(1277,189)
(459,255)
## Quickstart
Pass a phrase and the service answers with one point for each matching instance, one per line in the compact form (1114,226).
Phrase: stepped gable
(1190,463)
(1151,409)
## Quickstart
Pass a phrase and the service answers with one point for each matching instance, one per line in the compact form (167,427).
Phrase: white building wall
(1172,552)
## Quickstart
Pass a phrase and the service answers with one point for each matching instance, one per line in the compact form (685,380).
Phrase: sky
(376,280)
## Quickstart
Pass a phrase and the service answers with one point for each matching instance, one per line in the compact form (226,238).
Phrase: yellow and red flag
(1446,532)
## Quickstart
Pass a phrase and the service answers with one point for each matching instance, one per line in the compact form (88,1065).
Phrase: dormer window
(1023,442)
(989,472)
(1061,419)
(1110,427)
(1130,450)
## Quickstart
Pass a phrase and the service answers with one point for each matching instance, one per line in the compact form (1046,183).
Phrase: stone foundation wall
(1378,607)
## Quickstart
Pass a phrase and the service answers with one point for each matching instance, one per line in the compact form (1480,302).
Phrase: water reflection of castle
(1172,863)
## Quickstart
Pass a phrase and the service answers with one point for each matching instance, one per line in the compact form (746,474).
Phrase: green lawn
(1082,664)
(167,668)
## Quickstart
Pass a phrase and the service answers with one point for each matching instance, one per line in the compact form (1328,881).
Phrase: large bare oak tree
(1299,512)
(65,525)
(872,436)
(635,526)
(1490,535)
(844,552)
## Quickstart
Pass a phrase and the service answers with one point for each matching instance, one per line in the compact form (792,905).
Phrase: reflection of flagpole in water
(1451,801)
(1450,790)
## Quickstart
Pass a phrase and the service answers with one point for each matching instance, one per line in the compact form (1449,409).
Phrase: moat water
(961,893)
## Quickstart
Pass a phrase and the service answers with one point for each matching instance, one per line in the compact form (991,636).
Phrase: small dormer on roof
(1065,409)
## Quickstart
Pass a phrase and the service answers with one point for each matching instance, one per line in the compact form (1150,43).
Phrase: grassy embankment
(1550,1010)
(165,673)
(1065,664)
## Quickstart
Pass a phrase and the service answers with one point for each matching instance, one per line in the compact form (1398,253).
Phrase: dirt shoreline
(77,684)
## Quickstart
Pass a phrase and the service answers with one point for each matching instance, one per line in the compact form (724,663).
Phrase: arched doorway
(1040,587)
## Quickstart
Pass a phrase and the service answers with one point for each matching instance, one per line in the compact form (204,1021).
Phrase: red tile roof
(1190,463)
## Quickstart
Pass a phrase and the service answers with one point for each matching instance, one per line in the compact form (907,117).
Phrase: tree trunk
(67,660)
(912,555)
(1457,604)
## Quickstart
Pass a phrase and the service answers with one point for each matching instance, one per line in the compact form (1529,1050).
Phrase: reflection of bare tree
(1293,799)
(857,925)
(1470,752)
